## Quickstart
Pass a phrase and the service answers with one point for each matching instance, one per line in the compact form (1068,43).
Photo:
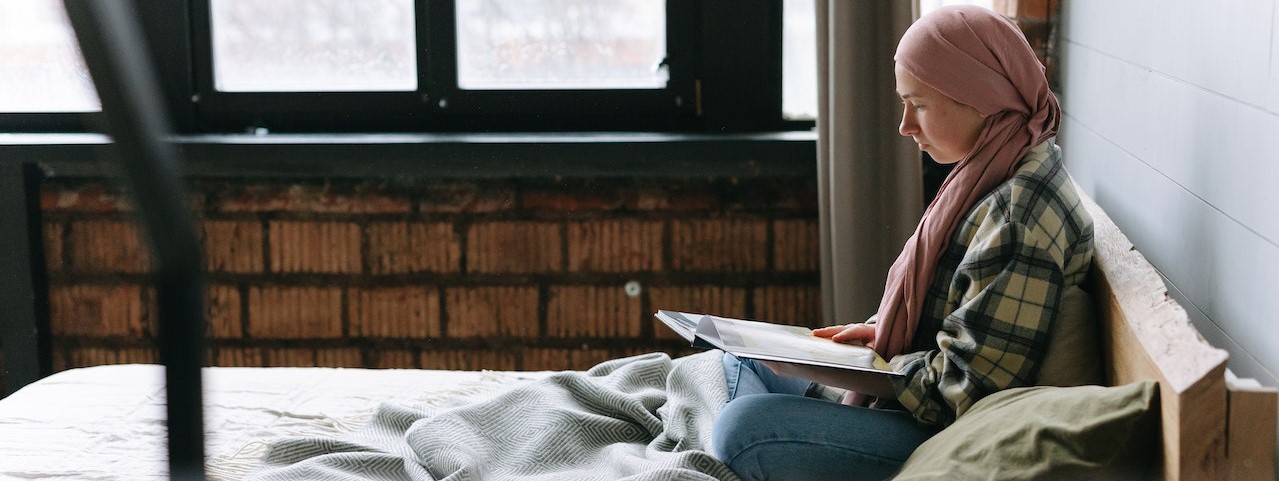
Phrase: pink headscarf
(980,59)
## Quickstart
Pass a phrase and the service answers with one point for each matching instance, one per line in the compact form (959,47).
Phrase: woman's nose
(908,126)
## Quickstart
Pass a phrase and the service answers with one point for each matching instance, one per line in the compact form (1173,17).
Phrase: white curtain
(868,175)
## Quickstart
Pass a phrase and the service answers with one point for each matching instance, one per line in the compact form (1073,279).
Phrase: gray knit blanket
(639,418)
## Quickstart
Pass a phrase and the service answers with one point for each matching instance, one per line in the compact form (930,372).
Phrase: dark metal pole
(24,331)
(135,118)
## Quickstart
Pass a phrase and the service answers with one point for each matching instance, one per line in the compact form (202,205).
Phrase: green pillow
(1043,432)
(1074,348)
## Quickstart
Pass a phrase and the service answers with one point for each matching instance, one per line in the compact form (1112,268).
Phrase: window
(313,45)
(43,70)
(44,84)
(799,60)
(464,65)
(567,44)
(440,65)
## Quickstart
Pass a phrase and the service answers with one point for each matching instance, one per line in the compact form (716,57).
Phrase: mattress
(108,422)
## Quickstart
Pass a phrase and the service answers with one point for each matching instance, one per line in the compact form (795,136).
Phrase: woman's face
(944,128)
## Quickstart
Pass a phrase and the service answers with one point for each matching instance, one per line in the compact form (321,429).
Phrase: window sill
(399,156)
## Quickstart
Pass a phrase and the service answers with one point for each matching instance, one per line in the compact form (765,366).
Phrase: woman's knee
(778,436)
(736,426)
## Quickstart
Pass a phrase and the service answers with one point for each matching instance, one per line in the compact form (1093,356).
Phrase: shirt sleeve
(1008,287)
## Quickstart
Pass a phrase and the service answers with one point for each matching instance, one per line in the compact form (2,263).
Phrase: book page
(791,344)
(679,322)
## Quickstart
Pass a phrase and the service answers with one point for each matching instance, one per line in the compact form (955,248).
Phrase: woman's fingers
(849,333)
(856,333)
(828,331)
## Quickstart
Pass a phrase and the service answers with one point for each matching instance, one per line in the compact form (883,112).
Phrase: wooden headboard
(1212,429)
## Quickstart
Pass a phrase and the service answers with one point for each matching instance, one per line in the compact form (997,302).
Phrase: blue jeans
(770,430)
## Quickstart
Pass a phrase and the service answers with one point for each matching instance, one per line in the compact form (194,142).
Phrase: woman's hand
(858,333)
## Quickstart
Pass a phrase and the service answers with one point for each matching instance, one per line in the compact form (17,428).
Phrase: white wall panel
(1242,362)
(1220,266)
(1224,47)
(1125,28)
(1217,147)
(1272,96)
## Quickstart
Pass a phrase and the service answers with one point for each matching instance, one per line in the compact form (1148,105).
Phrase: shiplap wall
(1172,125)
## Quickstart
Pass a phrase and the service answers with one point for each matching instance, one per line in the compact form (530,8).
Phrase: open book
(772,342)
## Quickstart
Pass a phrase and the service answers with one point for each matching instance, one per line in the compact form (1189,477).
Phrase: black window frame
(725,69)
(47,121)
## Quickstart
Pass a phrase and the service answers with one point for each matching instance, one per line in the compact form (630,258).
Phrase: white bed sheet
(107,422)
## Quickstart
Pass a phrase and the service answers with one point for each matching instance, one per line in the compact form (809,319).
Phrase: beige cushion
(1074,351)
(1046,433)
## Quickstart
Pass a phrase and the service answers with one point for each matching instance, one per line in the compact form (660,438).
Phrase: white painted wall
(1172,125)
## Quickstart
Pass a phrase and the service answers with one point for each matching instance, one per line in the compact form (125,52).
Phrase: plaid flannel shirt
(986,320)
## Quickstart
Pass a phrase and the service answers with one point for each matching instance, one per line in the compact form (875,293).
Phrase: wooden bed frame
(1213,428)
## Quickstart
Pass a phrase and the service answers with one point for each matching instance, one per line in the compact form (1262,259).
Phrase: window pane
(561,44)
(799,60)
(42,69)
(313,45)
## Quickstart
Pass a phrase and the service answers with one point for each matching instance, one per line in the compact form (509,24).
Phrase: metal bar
(24,330)
(119,62)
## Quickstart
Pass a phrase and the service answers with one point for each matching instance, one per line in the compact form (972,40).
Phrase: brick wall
(448,275)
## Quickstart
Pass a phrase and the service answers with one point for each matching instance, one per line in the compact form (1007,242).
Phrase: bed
(643,417)
(106,422)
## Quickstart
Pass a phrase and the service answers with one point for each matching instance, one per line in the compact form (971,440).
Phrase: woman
(969,303)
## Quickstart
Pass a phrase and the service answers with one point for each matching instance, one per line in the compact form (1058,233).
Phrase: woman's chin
(942,159)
